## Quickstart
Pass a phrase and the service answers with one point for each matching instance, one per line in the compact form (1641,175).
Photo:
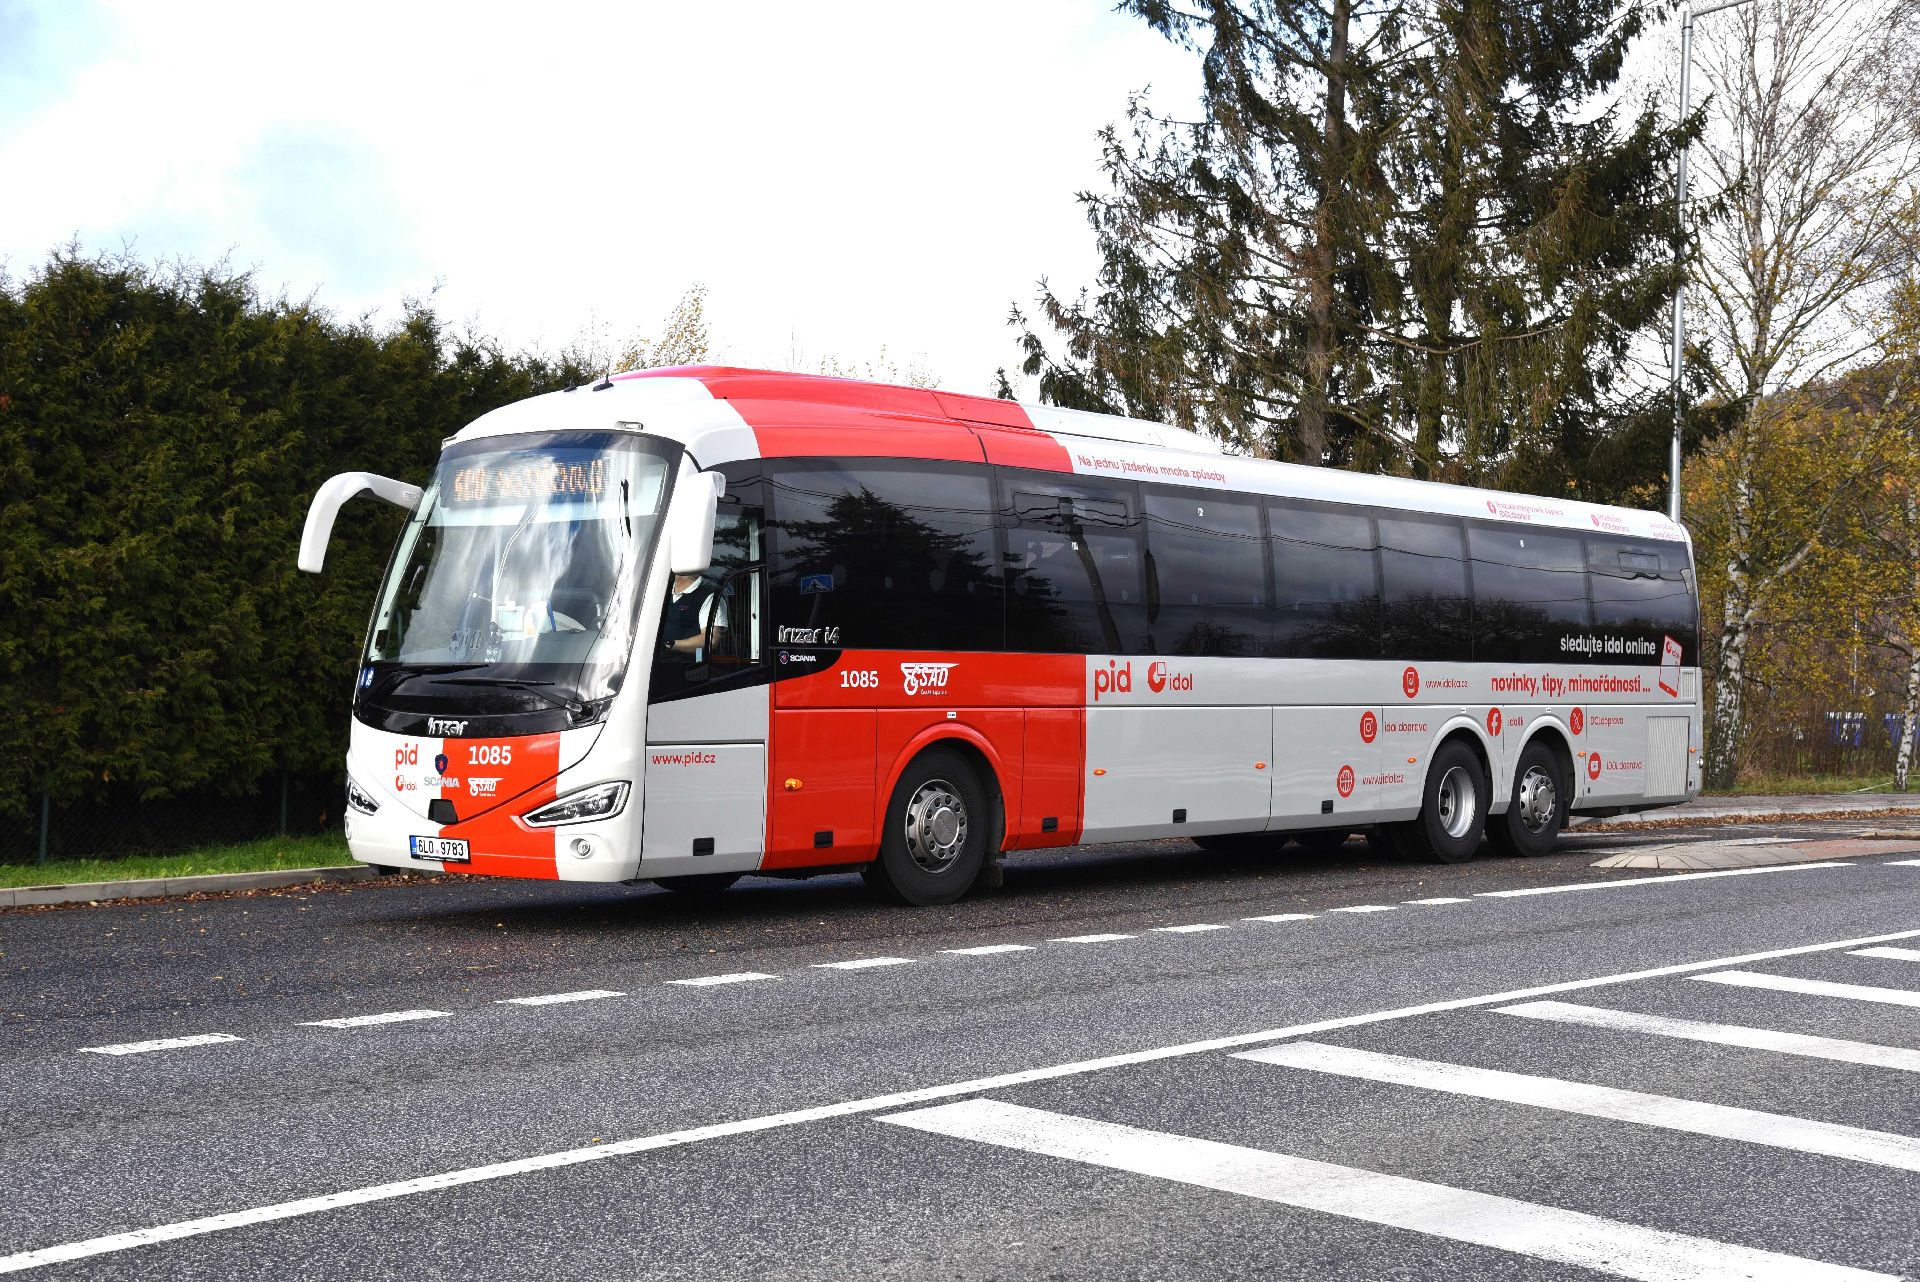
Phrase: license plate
(446,849)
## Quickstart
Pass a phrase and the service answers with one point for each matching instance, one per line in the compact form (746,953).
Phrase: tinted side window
(1645,591)
(893,556)
(1206,574)
(1075,565)
(1427,613)
(1326,589)
(1529,590)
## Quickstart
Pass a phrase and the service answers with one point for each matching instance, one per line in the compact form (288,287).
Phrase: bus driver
(693,609)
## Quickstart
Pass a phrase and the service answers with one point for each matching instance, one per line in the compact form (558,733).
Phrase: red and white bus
(695,623)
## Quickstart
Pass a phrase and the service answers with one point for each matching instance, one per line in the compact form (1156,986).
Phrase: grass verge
(269,855)
(1784,785)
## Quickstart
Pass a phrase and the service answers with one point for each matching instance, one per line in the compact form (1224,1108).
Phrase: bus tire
(1453,809)
(700,883)
(935,840)
(1538,810)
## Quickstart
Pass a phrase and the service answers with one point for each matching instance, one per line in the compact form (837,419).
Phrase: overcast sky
(842,177)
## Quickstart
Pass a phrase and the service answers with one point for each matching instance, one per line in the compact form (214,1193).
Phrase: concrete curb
(1757,810)
(88,892)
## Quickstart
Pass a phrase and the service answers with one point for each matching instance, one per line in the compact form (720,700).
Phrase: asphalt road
(1132,1062)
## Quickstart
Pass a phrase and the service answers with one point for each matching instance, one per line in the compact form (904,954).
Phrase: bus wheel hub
(936,825)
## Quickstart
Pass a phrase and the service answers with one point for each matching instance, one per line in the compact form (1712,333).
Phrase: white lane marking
(1815,987)
(1281,917)
(864,963)
(1896,954)
(851,1108)
(1764,1039)
(1364,908)
(362,1021)
(1088,939)
(1194,929)
(1460,1215)
(160,1044)
(1442,899)
(738,977)
(1649,881)
(1697,1117)
(988,950)
(555,999)
(1905,863)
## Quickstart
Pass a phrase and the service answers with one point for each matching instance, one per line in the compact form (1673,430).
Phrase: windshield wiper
(511,683)
(433,670)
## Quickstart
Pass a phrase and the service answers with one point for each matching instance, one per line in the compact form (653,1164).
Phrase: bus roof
(722,413)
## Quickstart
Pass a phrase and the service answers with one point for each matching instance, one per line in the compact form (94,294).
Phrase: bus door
(705,769)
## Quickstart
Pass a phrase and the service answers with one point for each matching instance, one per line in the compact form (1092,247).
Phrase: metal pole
(1680,253)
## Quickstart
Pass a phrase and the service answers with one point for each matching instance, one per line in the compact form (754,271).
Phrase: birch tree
(682,340)
(1816,150)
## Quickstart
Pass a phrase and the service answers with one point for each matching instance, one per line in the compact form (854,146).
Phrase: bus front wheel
(1453,809)
(937,826)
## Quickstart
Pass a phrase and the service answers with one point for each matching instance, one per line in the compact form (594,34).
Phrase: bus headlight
(602,801)
(357,798)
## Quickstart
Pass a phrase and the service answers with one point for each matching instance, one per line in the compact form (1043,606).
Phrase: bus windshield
(513,586)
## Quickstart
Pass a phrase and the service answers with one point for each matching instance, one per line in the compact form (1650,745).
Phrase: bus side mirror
(695,510)
(333,496)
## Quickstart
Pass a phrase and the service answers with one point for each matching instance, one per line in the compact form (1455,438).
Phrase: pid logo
(1344,781)
(1112,679)
(1578,721)
(1369,727)
(1593,765)
(1494,722)
(1410,682)
(407,756)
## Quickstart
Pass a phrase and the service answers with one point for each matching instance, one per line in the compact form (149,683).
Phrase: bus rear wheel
(1538,810)
(935,840)
(1453,809)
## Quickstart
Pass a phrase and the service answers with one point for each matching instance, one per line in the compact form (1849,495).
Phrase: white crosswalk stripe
(1765,1039)
(1892,954)
(561,999)
(1814,987)
(1460,1215)
(1776,1130)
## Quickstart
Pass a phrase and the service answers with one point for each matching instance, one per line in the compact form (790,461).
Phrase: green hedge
(161,432)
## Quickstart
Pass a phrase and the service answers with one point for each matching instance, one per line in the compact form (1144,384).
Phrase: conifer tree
(1389,240)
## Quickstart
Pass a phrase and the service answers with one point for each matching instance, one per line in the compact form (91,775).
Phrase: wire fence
(116,823)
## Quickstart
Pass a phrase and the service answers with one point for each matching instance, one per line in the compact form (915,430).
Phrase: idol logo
(407,756)
(1369,727)
(1160,679)
(1410,682)
(916,678)
(1113,679)
(442,726)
